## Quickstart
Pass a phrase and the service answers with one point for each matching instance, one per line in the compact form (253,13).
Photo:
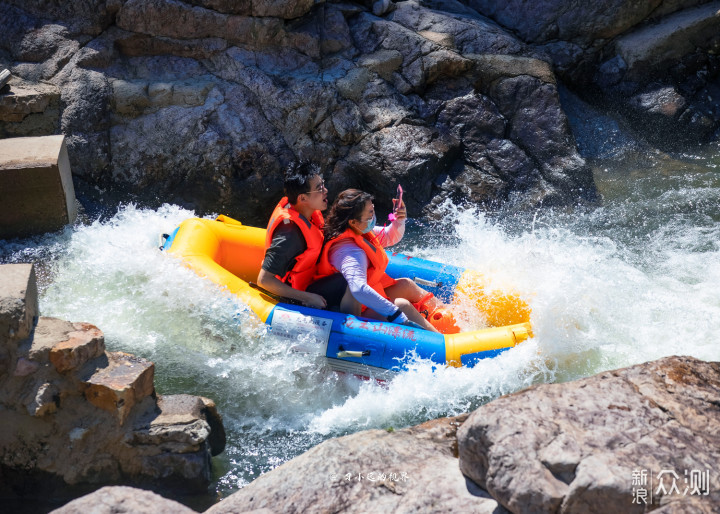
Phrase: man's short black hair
(297,179)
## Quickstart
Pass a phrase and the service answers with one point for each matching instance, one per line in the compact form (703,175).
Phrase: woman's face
(365,218)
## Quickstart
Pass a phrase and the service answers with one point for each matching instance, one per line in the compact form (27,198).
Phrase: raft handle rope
(344,354)
(427,283)
(162,239)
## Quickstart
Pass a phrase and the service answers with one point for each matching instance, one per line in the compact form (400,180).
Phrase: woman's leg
(442,319)
(406,288)
(413,315)
(407,308)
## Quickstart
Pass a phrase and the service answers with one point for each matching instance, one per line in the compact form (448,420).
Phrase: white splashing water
(632,281)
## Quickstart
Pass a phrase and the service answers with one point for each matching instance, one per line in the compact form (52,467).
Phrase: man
(294,237)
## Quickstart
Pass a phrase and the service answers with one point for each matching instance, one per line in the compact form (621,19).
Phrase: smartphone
(392,216)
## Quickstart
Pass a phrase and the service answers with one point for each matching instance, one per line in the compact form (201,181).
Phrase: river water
(630,281)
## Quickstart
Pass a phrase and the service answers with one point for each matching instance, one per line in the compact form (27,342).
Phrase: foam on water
(628,282)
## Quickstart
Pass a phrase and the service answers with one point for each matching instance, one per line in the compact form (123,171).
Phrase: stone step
(29,109)
(36,189)
(123,383)
(84,343)
(181,423)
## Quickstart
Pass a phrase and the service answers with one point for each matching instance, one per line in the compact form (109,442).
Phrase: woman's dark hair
(297,179)
(348,205)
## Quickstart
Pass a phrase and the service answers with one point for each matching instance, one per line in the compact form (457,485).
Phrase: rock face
(603,443)
(632,56)
(201,102)
(76,417)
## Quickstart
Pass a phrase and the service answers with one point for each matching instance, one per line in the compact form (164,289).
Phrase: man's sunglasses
(319,189)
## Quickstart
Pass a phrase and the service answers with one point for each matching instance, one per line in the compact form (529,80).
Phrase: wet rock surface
(578,447)
(612,52)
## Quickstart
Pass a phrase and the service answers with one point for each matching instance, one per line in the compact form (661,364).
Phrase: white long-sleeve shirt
(352,262)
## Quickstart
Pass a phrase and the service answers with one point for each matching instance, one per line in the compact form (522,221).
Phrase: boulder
(186,100)
(82,345)
(88,17)
(120,385)
(540,22)
(608,443)
(408,470)
(183,423)
(652,49)
(121,500)
(612,51)
(174,19)
(638,439)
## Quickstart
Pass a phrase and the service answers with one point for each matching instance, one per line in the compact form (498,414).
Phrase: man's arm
(268,281)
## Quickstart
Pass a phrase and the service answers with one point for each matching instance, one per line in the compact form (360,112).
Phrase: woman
(354,247)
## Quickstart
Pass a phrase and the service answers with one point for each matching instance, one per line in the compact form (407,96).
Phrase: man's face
(317,195)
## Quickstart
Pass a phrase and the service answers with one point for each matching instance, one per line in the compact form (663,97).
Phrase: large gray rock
(583,446)
(272,81)
(29,109)
(409,470)
(654,48)
(580,22)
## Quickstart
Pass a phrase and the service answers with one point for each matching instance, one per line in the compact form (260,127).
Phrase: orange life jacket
(377,260)
(305,266)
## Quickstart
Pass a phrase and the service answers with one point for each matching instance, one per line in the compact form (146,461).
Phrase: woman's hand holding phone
(399,211)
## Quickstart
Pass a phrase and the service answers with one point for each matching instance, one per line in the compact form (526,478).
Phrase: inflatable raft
(230,254)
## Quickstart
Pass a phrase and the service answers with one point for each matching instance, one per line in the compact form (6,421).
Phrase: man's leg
(349,305)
